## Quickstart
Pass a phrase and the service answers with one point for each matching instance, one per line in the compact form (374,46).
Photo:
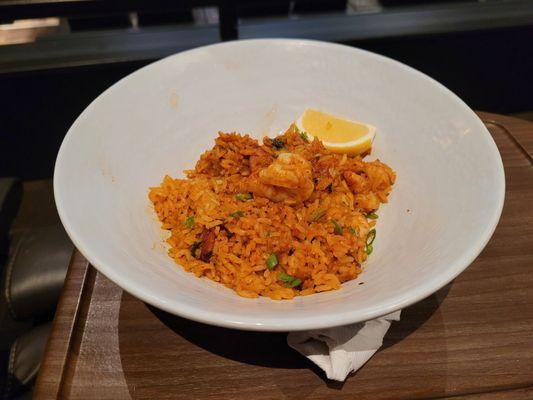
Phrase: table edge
(67,313)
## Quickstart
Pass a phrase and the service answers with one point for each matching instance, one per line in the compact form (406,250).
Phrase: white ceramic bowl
(444,207)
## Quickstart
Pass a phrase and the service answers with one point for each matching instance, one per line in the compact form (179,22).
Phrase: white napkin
(343,349)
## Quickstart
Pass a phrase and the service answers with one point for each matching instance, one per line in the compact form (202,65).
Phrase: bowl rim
(224,319)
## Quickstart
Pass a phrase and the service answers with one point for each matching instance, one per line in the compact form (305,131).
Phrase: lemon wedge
(337,134)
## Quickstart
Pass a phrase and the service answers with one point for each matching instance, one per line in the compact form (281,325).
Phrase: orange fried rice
(279,219)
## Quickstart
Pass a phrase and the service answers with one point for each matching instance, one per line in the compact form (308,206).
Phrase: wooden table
(473,339)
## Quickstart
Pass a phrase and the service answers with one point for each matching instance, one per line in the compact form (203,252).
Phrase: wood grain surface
(471,340)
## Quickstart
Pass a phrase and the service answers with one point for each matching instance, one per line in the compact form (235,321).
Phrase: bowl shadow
(255,348)
(413,317)
(271,349)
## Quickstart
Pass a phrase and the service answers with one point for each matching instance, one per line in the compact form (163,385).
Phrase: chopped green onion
(371,237)
(369,249)
(236,214)
(317,215)
(288,280)
(293,284)
(337,228)
(304,136)
(285,277)
(189,222)
(272,261)
(268,234)
(243,196)
(372,216)
(352,231)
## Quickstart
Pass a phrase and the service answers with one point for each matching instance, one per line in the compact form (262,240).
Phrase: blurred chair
(35,255)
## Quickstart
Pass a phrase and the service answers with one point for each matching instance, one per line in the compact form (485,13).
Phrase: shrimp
(356,182)
(372,189)
(377,177)
(288,179)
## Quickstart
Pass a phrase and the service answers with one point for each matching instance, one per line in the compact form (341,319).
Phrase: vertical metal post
(227,20)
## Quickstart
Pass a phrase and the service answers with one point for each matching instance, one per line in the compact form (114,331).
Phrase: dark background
(484,53)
